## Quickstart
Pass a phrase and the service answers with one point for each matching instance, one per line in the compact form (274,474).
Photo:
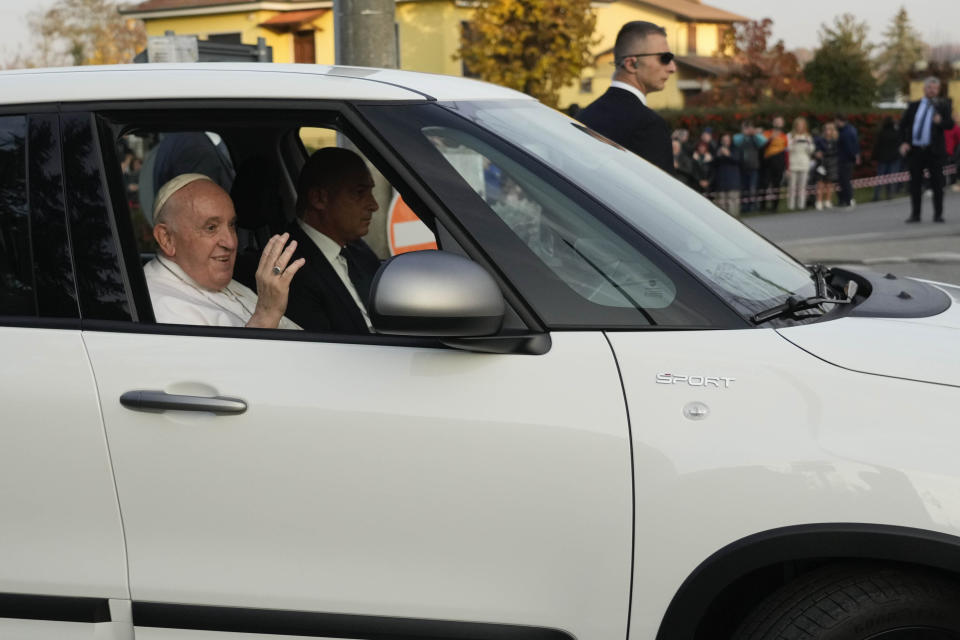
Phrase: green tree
(77,32)
(902,48)
(758,71)
(841,72)
(534,46)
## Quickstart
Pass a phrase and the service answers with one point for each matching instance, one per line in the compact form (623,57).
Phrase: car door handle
(146,400)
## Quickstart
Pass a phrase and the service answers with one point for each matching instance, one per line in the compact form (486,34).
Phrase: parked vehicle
(602,409)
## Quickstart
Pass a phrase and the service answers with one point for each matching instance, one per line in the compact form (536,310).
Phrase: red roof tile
(293,17)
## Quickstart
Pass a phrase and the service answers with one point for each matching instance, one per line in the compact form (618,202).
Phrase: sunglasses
(666,57)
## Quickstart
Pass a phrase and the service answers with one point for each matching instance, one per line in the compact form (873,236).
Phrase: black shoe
(939,219)
(913,219)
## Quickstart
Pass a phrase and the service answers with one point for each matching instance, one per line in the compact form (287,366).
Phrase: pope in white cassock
(191,279)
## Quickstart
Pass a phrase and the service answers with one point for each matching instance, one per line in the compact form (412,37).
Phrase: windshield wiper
(792,305)
(819,273)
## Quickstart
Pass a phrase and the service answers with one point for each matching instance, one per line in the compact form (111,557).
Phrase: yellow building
(952,90)
(429,35)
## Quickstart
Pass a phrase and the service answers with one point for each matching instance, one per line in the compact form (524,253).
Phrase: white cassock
(178,299)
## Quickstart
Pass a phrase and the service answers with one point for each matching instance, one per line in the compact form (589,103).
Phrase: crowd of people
(755,168)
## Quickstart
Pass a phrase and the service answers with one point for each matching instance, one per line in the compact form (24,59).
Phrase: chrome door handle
(146,400)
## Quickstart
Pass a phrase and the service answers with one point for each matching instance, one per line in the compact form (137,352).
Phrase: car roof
(237,81)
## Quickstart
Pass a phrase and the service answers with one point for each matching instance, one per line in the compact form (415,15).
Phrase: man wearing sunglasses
(644,64)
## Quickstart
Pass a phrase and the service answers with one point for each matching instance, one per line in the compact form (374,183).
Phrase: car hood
(926,349)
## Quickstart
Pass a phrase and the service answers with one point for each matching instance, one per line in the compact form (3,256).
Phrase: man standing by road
(774,164)
(749,145)
(922,128)
(848,155)
(644,63)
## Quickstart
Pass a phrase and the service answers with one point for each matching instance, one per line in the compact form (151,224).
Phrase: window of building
(467,30)
(725,37)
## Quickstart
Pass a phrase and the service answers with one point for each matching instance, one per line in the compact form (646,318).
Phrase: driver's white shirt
(632,89)
(178,299)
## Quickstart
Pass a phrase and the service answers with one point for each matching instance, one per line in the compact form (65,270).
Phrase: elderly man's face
(931,89)
(203,234)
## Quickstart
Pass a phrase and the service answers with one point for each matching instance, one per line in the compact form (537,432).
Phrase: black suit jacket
(318,299)
(937,142)
(620,116)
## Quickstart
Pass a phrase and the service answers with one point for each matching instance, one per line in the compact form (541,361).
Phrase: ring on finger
(277,270)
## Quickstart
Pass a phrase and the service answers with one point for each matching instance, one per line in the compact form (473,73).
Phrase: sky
(13,25)
(795,21)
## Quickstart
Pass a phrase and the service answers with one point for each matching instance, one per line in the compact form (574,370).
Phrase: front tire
(858,602)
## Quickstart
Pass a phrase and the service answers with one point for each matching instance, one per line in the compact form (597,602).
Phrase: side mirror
(435,293)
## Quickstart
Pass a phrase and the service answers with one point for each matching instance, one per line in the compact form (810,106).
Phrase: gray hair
(931,80)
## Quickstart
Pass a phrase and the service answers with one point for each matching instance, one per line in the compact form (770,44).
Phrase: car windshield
(747,271)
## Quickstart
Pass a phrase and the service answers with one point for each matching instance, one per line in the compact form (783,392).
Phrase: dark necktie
(360,283)
(921,127)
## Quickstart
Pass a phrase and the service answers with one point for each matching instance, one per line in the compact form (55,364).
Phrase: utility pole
(364,33)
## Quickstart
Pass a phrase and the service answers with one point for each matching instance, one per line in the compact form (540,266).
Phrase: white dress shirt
(178,299)
(632,89)
(331,251)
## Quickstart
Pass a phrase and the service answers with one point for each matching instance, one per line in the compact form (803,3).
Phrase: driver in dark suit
(921,129)
(644,64)
(335,204)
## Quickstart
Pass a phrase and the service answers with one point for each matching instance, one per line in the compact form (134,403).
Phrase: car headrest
(256,194)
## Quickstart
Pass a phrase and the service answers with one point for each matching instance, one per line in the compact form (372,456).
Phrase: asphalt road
(873,235)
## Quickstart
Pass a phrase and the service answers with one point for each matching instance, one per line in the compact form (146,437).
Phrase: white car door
(62,564)
(370,483)
(367,486)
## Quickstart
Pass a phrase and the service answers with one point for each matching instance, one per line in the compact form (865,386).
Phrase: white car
(603,409)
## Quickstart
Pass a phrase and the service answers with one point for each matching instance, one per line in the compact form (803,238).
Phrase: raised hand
(274,274)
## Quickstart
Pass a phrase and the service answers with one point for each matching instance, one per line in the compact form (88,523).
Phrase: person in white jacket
(800,148)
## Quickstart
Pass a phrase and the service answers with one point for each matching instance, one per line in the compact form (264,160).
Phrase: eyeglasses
(666,57)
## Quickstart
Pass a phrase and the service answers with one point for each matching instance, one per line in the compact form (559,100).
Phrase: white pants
(729,201)
(797,189)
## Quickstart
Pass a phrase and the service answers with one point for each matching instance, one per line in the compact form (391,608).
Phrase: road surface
(873,235)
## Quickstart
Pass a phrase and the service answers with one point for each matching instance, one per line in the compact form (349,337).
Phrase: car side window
(257,158)
(16,273)
(396,228)
(586,255)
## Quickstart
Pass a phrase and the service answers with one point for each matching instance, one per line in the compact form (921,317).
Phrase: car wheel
(856,602)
